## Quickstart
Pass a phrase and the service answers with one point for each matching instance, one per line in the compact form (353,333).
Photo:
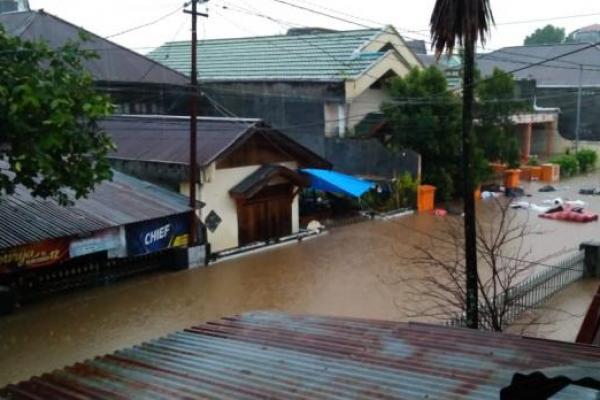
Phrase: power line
(153,22)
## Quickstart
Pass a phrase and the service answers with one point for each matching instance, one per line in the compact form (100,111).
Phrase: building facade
(248,182)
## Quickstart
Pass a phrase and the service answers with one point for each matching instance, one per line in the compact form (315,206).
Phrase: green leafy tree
(549,34)
(495,131)
(48,117)
(425,117)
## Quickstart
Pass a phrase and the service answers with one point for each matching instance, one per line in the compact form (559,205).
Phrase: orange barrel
(477,193)
(426,198)
(511,178)
(526,173)
(550,172)
(536,173)
(498,169)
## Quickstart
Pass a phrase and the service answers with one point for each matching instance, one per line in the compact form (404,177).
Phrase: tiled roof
(278,356)
(329,56)
(114,63)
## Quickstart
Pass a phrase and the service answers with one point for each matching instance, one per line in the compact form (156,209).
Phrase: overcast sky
(232,18)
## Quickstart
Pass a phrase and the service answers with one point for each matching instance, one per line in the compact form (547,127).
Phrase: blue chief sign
(158,234)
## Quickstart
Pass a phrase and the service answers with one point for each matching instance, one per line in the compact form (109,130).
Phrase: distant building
(137,84)
(7,6)
(588,34)
(556,82)
(316,86)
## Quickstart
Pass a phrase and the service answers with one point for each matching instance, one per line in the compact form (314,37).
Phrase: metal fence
(532,292)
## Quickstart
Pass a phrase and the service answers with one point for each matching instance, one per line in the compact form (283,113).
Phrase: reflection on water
(342,273)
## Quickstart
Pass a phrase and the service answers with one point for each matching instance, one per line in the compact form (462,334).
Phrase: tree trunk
(469,186)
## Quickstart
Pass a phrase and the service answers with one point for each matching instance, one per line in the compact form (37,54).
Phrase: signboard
(108,240)
(37,255)
(158,234)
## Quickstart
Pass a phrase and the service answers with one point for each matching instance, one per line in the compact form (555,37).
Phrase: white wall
(369,101)
(214,192)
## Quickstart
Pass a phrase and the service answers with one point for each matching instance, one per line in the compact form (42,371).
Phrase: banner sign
(42,254)
(158,234)
(108,240)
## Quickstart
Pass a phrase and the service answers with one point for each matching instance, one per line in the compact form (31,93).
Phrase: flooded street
(347,272)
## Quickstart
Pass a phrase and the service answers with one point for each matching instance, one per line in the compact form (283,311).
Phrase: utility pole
(193,173)
(472,279)
(579,95)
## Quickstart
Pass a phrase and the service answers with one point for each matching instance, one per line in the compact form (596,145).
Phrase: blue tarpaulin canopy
(335,182)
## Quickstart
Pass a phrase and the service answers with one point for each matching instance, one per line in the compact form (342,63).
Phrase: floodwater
(351,271)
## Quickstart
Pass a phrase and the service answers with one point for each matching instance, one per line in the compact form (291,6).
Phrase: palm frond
(453,22)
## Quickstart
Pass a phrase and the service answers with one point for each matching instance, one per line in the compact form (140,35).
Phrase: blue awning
(335,182)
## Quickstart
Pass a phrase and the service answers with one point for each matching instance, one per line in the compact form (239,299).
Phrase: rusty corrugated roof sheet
(277,356)
(124,200)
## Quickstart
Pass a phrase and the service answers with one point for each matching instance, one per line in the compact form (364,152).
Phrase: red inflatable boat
(570,214)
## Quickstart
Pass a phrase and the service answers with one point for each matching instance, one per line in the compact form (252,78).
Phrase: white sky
(106,17)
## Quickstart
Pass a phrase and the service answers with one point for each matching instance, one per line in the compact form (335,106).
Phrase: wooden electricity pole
(193,172)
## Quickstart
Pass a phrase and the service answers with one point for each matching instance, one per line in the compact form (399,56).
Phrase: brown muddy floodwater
(347,272)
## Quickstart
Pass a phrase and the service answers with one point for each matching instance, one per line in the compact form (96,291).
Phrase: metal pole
(579,94)
(193,124)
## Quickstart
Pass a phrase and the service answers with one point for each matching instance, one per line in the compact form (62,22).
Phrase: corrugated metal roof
(165,139)
(277,356)
(256,181)
(330,56)
(114,64)
(561,72)
(25,219)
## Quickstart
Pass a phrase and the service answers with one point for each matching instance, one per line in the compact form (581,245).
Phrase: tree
(464,22)
(425,117)
(48,114)
(496,103)
(549,34)
(504,294)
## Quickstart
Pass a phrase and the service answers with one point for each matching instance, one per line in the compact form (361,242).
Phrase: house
(248,179)
(317,86)
(125,226)
(273,355)
(135,83)
(115,218)
(556,83)
(587,34)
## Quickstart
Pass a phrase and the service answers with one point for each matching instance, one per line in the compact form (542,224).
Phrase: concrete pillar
(551,131)
(592,259)
(526,142)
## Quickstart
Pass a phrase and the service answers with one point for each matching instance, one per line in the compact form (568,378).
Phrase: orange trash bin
(536,173)
(512,178)
(550,173)
(525,173)
(426,198)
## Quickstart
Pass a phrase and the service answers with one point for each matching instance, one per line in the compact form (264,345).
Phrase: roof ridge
(298,37)
(182,117)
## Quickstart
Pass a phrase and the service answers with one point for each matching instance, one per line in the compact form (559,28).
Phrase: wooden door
(268,215)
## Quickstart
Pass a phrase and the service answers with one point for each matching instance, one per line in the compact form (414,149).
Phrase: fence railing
(531,293)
